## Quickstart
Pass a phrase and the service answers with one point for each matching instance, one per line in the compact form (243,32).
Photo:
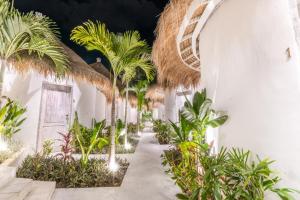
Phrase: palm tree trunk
(112,152)
(126,110)
(2,70)
(138,121)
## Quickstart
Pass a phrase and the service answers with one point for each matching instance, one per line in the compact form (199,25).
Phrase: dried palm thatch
(132,99)
(78,69)
(172,72)
(100,68)
(155,93)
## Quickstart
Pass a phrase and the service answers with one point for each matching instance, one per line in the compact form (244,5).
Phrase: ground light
(127,146)
(3,145)
(113,166)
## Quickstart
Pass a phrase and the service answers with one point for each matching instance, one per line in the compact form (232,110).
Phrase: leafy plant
(11,118)
(119,128)
(87,147)
(71,174)
(28,34)
(66,147)
(47,148)
(163,132)
(132,128)
(119,49)
(140,90)
(201,116)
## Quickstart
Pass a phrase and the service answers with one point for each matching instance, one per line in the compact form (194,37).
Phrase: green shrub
(88,144)
(71,174)
(229,175)
(11,118)
(163,132)
(132,128)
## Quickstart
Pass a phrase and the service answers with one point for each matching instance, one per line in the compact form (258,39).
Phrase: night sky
(118,15)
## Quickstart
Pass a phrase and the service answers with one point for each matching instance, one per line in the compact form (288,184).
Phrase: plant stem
(126,110)
(112,153)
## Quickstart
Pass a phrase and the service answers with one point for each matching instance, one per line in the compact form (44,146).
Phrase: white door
(55,113)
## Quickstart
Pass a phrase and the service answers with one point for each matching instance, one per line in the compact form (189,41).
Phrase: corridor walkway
(144,180)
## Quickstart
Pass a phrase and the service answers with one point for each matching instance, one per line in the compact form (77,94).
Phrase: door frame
(57,87)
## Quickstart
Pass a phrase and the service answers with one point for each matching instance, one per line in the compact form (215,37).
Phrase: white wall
(170,105)
(84,101)
(100,106)
(247,72)
(132,114)
(27,88)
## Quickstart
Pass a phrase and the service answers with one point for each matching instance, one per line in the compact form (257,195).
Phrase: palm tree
(117,48)
(29,34)
(141,61)
(140,90)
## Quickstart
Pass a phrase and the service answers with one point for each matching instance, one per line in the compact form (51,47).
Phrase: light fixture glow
(128,146)
(3,145)
(139,133)
(123,132)
(113,166)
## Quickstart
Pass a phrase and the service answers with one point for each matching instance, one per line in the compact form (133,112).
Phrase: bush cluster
(71,174)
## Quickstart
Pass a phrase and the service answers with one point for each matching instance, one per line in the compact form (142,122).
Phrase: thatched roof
(78,69)
(155,93)
(100,68)
(172,71)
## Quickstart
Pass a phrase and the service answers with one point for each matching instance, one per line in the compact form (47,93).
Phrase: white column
(250,66)
(170,105)
(100,108)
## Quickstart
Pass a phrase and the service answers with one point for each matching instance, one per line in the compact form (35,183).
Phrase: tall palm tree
(30,34)
(142,61)
(117,48)
(140,90)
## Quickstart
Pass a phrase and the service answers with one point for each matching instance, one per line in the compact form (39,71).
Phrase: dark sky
(119,16)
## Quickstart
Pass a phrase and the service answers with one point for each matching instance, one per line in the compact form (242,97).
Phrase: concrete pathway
(145,178)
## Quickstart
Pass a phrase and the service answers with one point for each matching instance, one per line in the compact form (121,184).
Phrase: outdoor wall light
(3,145)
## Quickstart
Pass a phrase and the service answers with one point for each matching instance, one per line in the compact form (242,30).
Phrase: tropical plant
(230,175)
(163,132)
(66,147)
(132,128)
(182,131)
(201,116)
(11,118)
(142,61)
(118,49)
(30,34)
(120,125)
(71,174)
(140,90)
(87,147)
(47,148)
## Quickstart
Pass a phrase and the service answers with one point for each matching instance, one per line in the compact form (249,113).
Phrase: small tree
(140,90)
(117,48)
(30,34)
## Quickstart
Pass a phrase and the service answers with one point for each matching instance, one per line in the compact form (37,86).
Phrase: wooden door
(55,114)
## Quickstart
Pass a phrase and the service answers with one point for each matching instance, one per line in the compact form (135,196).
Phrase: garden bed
(71,174)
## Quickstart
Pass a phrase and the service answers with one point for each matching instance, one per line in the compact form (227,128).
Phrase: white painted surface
(247,72)
(170,105)
(26,89)
(100,106)
(84,102)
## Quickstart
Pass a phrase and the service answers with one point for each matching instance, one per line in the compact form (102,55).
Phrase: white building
(247,54)
(51,102)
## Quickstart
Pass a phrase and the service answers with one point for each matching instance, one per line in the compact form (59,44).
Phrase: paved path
(145,178)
